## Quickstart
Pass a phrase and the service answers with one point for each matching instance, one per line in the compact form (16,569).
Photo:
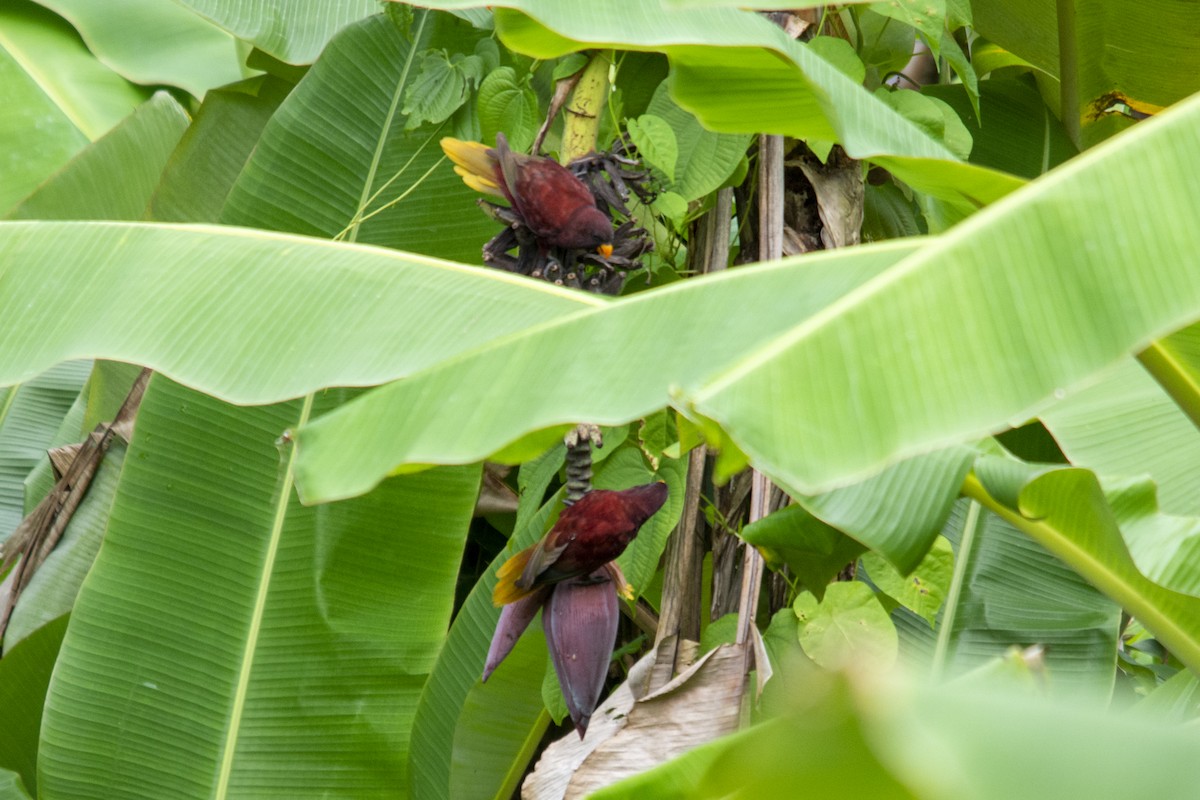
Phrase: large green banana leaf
(901,740)
(739,73)
(294,31)
(150,42)
(113,177)
(29,416)
(58,97)
(1012,592)
(229,639)
(224,132)
(24,676)
(1138,55)
(336,159)
(247,315)
(1124,425)
(972,332)
(1066,512)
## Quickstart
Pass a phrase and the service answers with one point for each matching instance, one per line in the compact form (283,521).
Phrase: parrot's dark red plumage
(587,535)
(555,205)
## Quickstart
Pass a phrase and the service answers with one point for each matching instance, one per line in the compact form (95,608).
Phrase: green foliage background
(278,586)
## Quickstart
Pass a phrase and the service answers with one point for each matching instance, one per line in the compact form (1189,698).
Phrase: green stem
(958,580)
(239,702)
(581,125)
(385,129)
(1068,75)
(361,217)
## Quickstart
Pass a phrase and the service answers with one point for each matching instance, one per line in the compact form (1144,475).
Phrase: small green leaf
(848,626)
(401,15)
(886,46)
(671,206)
(720,631)
(436,93)
(987,57)
(1175,698)
(568,65)
(897,512)
(655,142)
(963,68)
(507,106)
(958,14)
(925,588)
(813,550)
(955,134)
(731,459)
(655,434)
(927,16)
(471,68)
(840,54)
(739,173)
(489,53)
(705,159)
(888,214)
(936,118)
(465,124)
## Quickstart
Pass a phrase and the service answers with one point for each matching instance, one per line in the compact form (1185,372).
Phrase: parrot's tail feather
(506,590)
(515,565)
(475,165)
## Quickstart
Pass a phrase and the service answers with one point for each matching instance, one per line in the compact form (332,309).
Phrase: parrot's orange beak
(605,250)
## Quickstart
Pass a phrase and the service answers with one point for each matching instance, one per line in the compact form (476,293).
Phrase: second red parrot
(588,534)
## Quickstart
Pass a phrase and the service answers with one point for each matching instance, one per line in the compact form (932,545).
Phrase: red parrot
(555,205)
(588,534)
